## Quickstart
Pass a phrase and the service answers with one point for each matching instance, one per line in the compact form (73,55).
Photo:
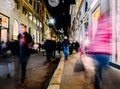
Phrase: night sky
(61,13)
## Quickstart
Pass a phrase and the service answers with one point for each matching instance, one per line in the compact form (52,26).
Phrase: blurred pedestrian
(53,47)
(42,48)
(65,45)
(100,47)
(59,47)
(76,46)
(70,47)
(48,48)
(22,54)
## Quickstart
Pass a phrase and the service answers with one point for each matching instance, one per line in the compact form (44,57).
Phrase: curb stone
(55,81)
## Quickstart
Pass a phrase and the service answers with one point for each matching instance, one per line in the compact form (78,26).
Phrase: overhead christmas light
(53,3)
(52,21)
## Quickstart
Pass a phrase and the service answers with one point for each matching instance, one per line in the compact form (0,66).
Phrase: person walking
(48,48)
(65,45)
(59,47)
(53,47)
(22,54)
(100,47)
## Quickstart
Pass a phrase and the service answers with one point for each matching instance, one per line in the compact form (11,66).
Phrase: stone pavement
(65,78)
(38,74)
(74,80)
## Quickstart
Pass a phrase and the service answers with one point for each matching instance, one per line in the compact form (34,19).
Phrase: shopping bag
(89,63)
(79,66)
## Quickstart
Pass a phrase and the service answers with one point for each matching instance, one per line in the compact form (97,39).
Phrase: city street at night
(39,73)
(44,43)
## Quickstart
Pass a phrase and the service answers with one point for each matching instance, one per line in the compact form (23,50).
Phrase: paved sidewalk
(74,80)
(83,80)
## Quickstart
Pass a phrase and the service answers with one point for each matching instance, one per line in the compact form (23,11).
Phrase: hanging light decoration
(10,4)
(53,3)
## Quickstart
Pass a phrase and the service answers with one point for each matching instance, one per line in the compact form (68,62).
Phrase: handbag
(79,66)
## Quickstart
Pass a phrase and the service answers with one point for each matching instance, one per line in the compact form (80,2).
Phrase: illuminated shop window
(30,16)
(95,17)
(4,21)
(37,22)
(40,25)
(34,19)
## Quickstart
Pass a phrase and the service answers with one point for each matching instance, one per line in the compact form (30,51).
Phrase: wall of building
(95,8)
(16,14)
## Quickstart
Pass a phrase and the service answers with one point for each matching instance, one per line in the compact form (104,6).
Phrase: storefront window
(95,17)
(116,33)
(34,20)
(30,16)
(4,21)
(3,27)
(40,25)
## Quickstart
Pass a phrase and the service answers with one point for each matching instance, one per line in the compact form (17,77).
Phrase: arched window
(15,29)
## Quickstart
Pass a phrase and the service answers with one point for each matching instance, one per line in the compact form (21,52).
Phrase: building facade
(87,17)
(15,12)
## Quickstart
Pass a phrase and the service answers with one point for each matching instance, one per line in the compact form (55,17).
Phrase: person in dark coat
(25,42)
(70,48)
(53,47)
(59,47)
(48,48)
(75,45)
(65,45)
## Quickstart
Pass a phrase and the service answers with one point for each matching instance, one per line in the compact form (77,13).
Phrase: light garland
(53,3)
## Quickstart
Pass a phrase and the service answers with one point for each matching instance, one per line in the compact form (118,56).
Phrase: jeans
(20,66)
(102,60)
(23,61)
(48,55)
(66,51)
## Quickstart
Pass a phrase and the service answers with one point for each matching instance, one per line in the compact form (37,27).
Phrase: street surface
(81,80)
(38,74)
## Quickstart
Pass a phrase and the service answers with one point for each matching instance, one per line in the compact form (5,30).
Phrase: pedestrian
(100,47)
(22,54)
(77,45)
(59,47)
(48,48)
(39,46)
(53,47)
(70,47)
(65,45)
(42,48)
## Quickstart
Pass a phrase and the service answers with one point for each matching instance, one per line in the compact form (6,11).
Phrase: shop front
(4,27)
(115,31)
(95,16)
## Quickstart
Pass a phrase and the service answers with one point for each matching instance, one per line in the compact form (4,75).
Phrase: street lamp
(53,3)
(51,21)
